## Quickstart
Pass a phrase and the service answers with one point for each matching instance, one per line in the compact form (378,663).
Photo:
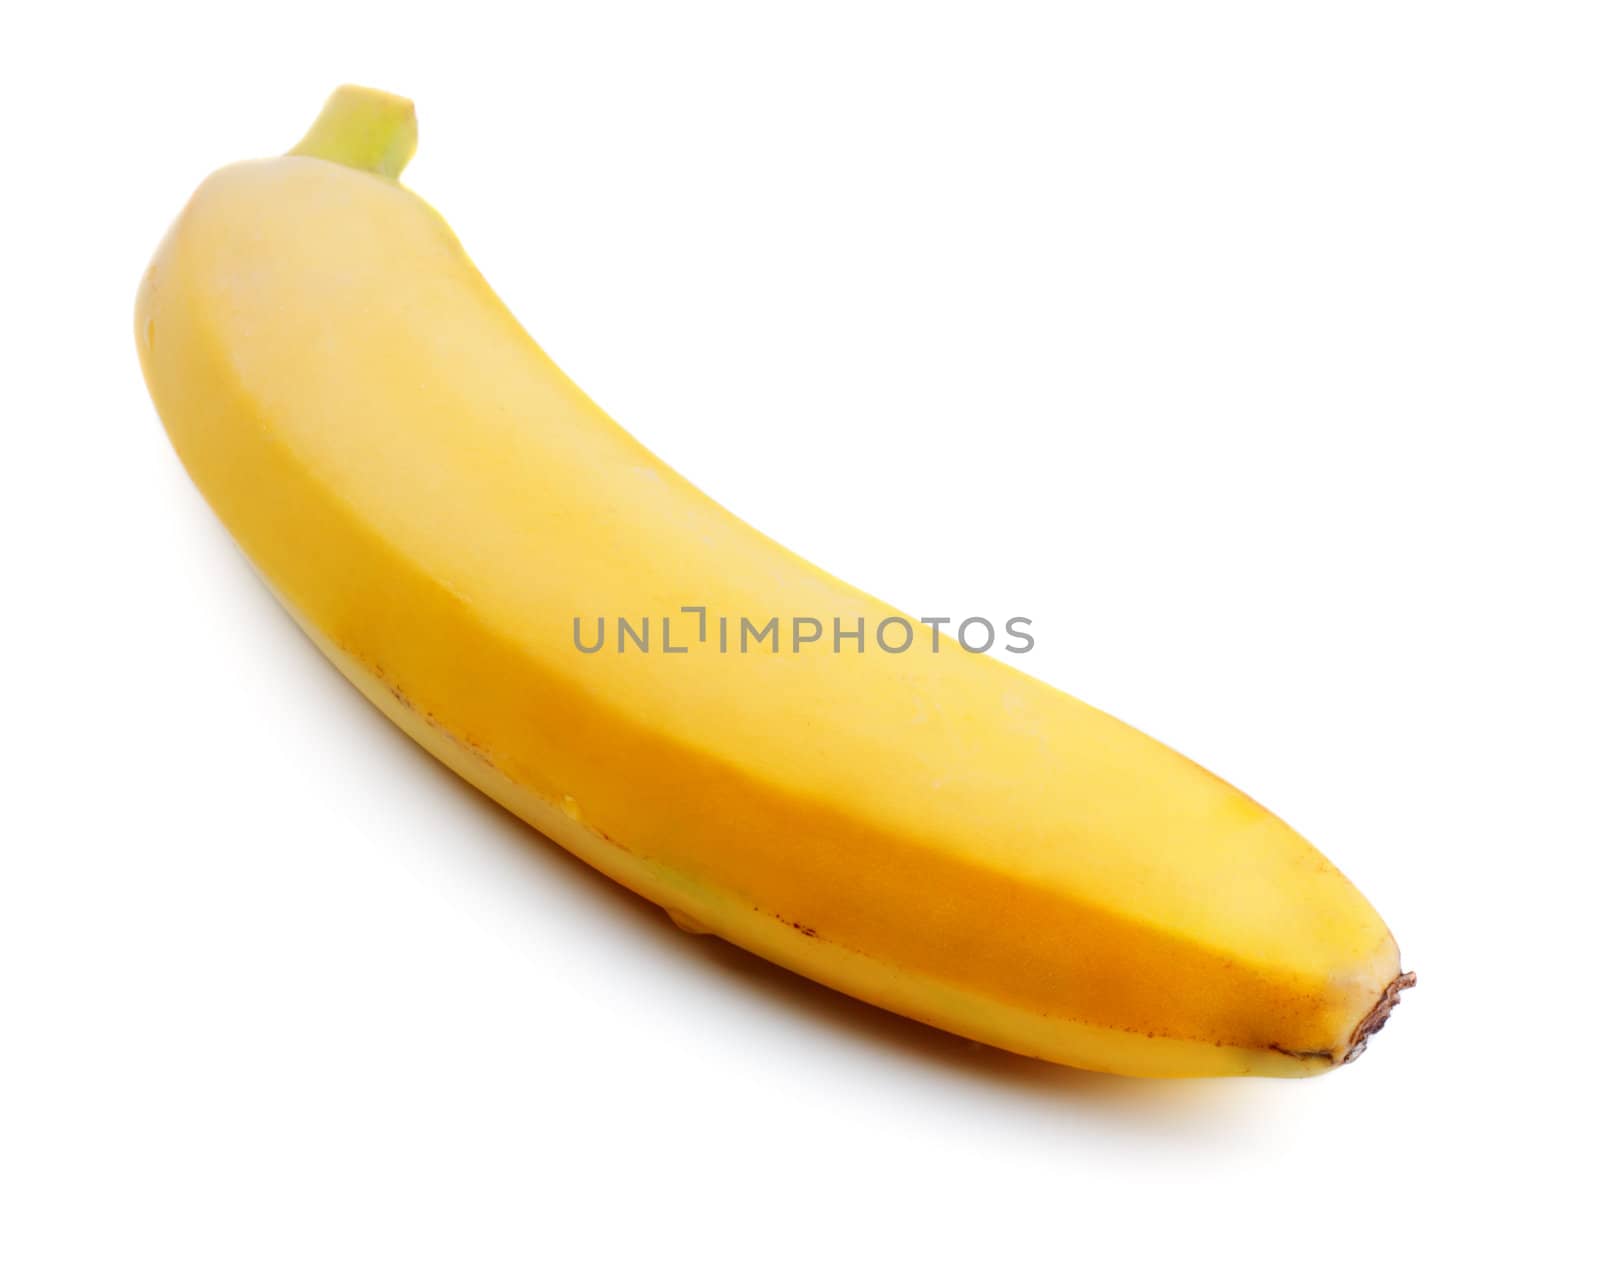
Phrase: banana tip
(1378,1016)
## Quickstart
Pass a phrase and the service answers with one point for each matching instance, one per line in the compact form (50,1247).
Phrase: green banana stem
(365,129)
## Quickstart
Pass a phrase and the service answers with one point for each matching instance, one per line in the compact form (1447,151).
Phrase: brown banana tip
(1376,1018)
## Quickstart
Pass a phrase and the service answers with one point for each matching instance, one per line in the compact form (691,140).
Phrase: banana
(447,516)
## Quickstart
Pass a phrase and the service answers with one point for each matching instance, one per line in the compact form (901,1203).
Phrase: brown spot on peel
(1299,1055)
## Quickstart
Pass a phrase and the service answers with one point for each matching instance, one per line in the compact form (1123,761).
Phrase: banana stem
(365,129)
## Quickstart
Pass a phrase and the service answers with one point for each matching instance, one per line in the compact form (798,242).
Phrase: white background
(1251,349)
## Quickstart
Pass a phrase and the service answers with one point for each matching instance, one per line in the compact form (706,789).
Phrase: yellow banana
(448,517)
